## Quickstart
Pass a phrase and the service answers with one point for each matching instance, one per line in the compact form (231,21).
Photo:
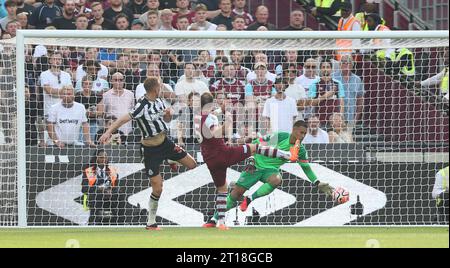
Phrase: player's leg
(245,182)
(219,174)
(268,151)
(152,165)
(178,154)
(271,179)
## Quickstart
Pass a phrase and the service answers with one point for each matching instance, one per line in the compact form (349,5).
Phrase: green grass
(236,237)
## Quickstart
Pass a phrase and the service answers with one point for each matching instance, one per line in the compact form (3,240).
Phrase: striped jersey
(149,116)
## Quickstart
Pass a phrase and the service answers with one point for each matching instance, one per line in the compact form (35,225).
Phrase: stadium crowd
(74,93)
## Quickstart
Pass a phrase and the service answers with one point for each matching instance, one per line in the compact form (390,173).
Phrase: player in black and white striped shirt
(153,116)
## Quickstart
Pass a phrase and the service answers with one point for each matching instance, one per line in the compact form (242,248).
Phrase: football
(340,195)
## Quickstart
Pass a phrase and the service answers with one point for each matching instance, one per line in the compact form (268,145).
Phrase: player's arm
(118,123)
(306,167)
(51,91)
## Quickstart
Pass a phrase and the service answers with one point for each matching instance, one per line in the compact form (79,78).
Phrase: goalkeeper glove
(324,187)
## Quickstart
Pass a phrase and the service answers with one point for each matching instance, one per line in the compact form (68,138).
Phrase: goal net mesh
(377,114)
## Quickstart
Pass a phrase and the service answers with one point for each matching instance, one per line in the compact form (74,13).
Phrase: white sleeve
(266,110)
(211,121)
(293,105)
(80,73)
(103,73)
(140,91)
(67,80)
(44,79)
(83,114)
(434,80)
(52,114)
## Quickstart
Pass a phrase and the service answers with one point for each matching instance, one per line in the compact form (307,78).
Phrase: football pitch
(360,237)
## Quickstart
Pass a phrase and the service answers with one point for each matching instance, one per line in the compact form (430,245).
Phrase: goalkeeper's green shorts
(247,179)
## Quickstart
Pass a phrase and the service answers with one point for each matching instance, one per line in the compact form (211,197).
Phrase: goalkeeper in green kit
(266,170)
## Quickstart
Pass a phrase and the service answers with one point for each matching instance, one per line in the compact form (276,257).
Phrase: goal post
(283,207)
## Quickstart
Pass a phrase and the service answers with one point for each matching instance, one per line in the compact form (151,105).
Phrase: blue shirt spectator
(3,12)
(354,90)
(45,14)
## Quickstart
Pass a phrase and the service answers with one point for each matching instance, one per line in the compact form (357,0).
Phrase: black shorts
(155,156)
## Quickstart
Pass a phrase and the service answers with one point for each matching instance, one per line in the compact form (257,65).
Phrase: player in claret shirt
(267,170)
(218,156)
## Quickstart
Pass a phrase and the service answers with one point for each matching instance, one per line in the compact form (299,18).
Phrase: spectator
(108,56)
(200,19)
(121,22)
(374,23)
(137,7)
(225,16)
(116,8)
(89,99)
(44,15)
(232,88)
(236,58)
(82,22)
(185,126)
(354,91)
(290,57)
(183,10)
(152,22)
(133,72)
(238,23)
(22,18)
(309,74)
(91,54)
(182,23)
(440,79)
(117,101)
(215,71)
(166,91)
(95,27)
(260,87)
(166,20)
(91,69)
(295,91)
(440,194)
(11,9)
(168,4)
(23,7)
(82,9)
(262,19)
(209,4)
(280,110)
(326,93)
(117,138)
(98,19)
(53,80)
(189,84)
(67,20)
(137,25)
(315,133)
(239,10)
(261,58)
(101,191)
(339,132)
(11,28)
(66,119)
(152,5)
(296,21)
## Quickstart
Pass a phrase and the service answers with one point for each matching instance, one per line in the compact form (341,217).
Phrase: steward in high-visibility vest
(361,17)
(440,192)
(444,83)
(92,178)
(347,23)
(328,7)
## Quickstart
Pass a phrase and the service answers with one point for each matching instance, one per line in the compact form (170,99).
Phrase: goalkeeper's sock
(231,203)
(221,205)
(272,152)
(152,208)
(264,190)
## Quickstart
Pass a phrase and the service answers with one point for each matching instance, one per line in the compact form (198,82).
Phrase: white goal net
(376,107)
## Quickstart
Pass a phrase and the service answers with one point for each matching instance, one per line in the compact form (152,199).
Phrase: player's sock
(231,203)
(152,208)
(264,190)
(272,152)
(221,205)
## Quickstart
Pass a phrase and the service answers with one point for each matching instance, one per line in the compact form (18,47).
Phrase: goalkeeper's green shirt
(280,140)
